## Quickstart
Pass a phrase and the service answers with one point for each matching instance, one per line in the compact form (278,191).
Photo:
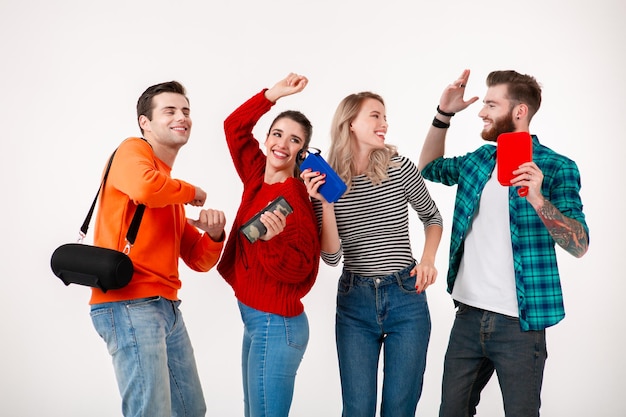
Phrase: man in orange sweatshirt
(141,323)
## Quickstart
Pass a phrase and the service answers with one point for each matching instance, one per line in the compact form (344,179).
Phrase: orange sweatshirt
(137,176)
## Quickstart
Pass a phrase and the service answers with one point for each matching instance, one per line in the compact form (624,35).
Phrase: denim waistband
(379,279)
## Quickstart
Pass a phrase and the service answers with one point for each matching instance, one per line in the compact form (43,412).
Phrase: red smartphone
(513,149)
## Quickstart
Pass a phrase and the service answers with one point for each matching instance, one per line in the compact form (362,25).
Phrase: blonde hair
(340,156)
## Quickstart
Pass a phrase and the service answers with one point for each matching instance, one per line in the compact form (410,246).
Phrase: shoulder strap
(85,226)
(131,235)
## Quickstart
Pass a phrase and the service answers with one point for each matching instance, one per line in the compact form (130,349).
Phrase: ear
(520,111)
(144,123)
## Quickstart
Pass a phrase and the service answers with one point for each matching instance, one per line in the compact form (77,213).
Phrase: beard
(502,125)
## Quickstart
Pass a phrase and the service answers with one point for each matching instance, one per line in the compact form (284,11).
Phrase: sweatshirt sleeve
(134,160)
(198,250)
(244,148)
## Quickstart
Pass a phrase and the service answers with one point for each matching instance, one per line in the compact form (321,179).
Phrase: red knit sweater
(274,275)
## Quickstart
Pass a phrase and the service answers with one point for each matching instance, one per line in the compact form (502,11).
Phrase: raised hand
(291,84)
(452,100)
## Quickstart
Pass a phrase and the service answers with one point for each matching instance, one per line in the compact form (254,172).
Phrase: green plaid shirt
(539,294)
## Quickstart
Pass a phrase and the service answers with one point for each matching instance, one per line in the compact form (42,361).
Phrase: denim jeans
(374,313)
(273,347)
(482,342)
(152,357)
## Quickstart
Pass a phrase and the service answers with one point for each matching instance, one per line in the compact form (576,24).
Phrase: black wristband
(439,124)
(443,113)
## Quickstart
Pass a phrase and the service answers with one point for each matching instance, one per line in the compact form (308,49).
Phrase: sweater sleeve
(419,196)
(244,148)
(155,188)
(292,255)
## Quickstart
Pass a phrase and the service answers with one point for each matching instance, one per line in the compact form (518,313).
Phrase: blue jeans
(273,347)
(152,357)
(378,312)
(482,342)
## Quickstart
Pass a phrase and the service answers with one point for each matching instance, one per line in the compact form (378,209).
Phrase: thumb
(472,100)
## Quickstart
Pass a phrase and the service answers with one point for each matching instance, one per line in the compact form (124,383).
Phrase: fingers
(529,178)
(213,218)
(212,222)
(291,84)
(296,81)
(463,78)
(425,276)
(275,222)
(527,174)
(452,99)
(313,181)
(199,198)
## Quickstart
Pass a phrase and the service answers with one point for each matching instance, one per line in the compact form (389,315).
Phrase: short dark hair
(520,87)
(144,104)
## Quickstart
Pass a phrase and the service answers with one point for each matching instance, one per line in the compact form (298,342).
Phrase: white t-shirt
(486,278)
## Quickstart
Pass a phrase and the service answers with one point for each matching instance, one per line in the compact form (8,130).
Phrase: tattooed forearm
(568,233)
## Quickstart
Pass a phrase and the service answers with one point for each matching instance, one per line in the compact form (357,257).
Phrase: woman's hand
(313,181)
(425,275)
(275,222)
(291,84)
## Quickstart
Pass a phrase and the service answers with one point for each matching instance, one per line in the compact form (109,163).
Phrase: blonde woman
(381,302)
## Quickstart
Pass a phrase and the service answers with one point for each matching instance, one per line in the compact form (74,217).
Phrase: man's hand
(212,222)
(199,198)
(452,100)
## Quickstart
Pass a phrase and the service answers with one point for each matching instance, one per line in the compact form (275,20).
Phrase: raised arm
(451,102)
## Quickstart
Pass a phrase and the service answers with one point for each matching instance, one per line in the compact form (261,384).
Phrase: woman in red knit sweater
(271,275)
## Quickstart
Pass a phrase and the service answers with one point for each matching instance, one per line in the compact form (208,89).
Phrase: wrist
(271,96)
(444,113)
(439,124)
(217,237)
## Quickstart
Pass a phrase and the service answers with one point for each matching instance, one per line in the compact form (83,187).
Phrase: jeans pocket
(462,309)
(297,331)
(104,323)
(407,285)
(344,286)
(141,302)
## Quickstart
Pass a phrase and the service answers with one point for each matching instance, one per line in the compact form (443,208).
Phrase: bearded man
(503,275)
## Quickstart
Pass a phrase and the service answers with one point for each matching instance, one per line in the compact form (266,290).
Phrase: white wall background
(72,71)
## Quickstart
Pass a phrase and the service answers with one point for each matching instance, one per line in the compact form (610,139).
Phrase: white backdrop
(72,71)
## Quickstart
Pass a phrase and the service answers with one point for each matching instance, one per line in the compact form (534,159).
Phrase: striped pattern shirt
(373,220)
(539,293)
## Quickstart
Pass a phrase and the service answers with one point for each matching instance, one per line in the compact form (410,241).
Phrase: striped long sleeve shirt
(373,220)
